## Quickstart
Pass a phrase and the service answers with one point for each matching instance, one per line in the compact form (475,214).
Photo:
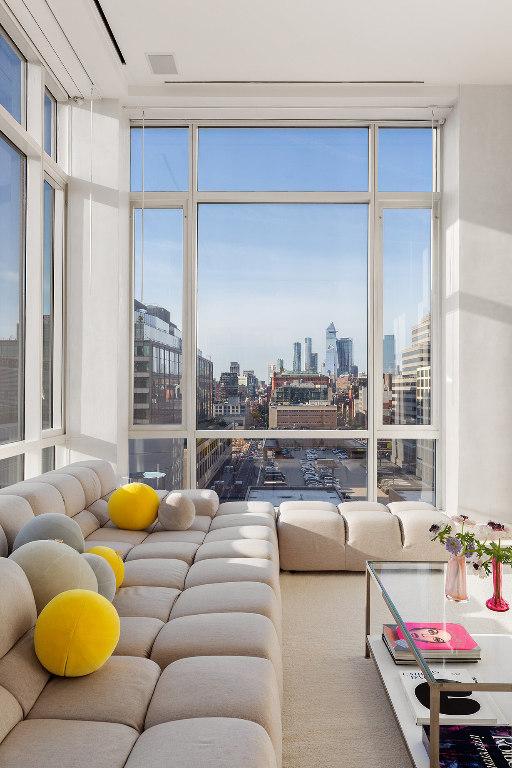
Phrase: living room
(255,265)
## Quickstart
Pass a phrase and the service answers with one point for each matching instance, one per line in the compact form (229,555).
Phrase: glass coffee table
(414,592)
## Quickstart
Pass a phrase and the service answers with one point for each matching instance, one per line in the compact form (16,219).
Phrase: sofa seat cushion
(204,742)
(154,602)
(311,539)
(176,550)
(67,744)
(218,634)
(263,532)
(119,692)
(397,507)
(10,712)
(292,506)
(187,537)
(100,510)
(119,534)
(231,596)
(22,674)
(364,506)
(121,547)
(416,539)
(219,686)
(237,548)
(233,569)
(137,636)
(201,523)
(153,572)
(241,507)
(244,518)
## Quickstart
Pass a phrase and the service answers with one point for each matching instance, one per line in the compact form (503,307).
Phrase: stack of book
(472,746)
(436,641)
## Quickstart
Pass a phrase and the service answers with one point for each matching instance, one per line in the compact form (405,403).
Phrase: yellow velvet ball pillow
(76,633)
(113,559)
(133,506)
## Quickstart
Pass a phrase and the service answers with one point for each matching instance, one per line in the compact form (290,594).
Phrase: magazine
(472,746)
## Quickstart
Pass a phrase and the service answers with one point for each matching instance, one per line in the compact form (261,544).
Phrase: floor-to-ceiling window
(285,309)
(31,268)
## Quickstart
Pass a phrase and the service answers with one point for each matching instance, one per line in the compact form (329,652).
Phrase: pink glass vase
(496,602)
(455,584)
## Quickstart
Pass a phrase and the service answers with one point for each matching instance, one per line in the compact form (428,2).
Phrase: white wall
(477,222)
(97,280)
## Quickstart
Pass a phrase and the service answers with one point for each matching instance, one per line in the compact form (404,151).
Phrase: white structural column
(477,223)
(98,285)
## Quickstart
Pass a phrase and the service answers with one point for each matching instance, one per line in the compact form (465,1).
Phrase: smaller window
(405,159)
(48,459)
(12,78)
(11,470)
(50,125)
(159,158)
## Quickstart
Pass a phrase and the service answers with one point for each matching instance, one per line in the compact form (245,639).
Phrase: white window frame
(28,138)
(376,201)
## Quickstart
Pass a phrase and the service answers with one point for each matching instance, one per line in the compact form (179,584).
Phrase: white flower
(485,533)
(463,520)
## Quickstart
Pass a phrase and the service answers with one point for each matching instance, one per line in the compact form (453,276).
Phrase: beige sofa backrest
(22,678)
(78,490)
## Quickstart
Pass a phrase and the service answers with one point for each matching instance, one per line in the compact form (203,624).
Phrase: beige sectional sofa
(318,536)
(196,679)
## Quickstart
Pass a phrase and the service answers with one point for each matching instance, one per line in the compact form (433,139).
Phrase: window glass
(48,303)
(283,159)
(48,459)
(287,469)
(405,160)
(12,175)
(11,470)
(159,157)
(282,316)
(12,74)
(159,462)
(50,124)
(406,470)
(158,316)
(407,316)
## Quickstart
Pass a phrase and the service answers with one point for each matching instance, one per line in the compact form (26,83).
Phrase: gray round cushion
(54,526)
(52,568)
(104,575)
(176,512)
(4,548)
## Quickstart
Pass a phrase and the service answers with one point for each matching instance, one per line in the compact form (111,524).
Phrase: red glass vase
(496,602)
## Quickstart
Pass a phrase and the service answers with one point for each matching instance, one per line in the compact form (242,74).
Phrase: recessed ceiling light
(162,63)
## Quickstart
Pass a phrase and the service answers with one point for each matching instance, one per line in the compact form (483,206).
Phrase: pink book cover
(439,637)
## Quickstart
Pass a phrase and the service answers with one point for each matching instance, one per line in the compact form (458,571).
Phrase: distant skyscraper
(389,354)
(234,368)
(280,365)
(307,353)
(314,362)
(297,363)
(344,347)
(331,351)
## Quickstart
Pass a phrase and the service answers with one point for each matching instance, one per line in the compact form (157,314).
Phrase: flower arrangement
(480,545)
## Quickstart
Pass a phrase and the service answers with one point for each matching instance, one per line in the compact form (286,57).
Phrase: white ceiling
(441,42)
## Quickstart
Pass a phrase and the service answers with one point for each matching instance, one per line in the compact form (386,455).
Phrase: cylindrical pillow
(4,547)
(54,526)
(52,568)
(176,512)
(134,506)
(76,633)
(113,559)
(104,575)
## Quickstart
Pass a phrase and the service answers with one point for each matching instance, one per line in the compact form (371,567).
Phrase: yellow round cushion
(133,506)
(113,559)
(76,633)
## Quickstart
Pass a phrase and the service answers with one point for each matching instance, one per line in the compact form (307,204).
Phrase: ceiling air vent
(162,63)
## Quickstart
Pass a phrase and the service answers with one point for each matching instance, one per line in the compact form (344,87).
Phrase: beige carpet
(336,713)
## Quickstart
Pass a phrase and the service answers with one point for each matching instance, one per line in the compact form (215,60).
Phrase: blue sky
(271,274)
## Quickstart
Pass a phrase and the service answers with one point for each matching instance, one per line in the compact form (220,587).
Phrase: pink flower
(463,520)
